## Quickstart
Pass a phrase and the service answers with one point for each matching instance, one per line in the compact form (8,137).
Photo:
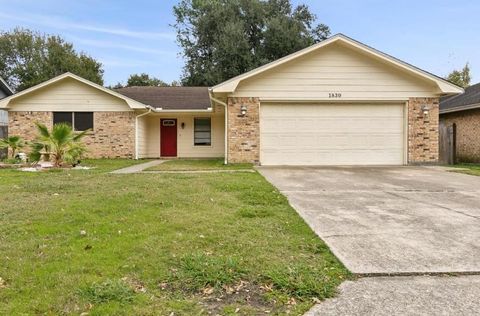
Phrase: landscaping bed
(86,241)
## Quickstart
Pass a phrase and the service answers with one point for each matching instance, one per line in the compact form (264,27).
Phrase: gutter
(460,108)
(136,128)
(225,161)
(161,110)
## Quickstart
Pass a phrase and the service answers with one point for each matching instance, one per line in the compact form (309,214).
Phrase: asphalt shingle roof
(469,97)
(170,98)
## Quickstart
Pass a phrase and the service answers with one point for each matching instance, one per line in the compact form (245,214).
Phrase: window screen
(62,117)
(202,132)
(83,121)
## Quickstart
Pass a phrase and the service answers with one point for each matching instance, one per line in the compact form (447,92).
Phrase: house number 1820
(334,95)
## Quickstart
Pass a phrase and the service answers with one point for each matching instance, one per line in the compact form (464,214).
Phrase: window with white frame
(202,131)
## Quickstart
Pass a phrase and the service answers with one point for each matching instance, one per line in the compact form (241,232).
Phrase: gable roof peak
(445,86)
(133,104)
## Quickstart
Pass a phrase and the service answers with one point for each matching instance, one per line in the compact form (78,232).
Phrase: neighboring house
(5,91)
(464,111)
(338,102)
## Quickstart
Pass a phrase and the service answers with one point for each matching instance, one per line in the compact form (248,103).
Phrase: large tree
(28,58)
(144,79)
(461,77)
(224,38)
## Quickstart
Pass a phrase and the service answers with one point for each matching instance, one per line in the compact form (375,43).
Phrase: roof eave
(6,87)
(460,108)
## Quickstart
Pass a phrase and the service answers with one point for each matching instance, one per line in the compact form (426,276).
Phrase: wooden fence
(447,143)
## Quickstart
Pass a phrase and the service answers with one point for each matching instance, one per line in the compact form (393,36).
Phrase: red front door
(168,138)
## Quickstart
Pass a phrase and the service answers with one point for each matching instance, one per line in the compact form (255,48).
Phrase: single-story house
(464,111)
(338,102)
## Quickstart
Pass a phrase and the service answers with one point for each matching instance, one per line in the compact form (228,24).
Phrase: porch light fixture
(425,109)
(243,110)
(183,125)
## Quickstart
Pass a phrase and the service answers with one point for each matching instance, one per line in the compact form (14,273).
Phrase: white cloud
(60,23)
(111,44)
(122,63)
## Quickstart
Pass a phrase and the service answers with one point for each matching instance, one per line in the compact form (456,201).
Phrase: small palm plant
(12,142)
(62,143)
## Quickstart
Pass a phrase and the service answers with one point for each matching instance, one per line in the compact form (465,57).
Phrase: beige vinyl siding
(68,95)
(335,69)
(142,136)
(149,144)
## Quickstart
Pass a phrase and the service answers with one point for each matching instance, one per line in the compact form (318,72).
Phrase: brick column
(243,132)
(422,130)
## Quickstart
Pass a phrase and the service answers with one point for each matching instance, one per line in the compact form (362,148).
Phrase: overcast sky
(136,36)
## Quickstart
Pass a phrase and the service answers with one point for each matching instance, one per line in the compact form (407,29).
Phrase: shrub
(62,143)
(12,142)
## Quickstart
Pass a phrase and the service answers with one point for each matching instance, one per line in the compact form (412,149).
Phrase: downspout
(136,128)
(226,125)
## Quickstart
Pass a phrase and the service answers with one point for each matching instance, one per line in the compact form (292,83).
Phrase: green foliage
(12,161)
(254,212)
(303,281)
(468,168)
(61,142)
(28,58)
(461,77)
(35,151)
(144,79)
(224,38)
(198,271)
(199,164)
(12,142)
(171,233)
(110,290)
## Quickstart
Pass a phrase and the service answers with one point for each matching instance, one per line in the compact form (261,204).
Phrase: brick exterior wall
(422,131)
(113,135)
(468,133)
(243,131)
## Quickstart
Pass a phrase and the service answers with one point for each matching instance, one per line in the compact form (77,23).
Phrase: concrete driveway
(389,220)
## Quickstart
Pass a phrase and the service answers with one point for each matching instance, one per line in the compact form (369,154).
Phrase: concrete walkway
(392,296)
(138,168)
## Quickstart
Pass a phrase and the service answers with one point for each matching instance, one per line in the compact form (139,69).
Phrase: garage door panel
(331,134)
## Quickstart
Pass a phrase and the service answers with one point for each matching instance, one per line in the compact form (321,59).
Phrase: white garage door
(339,134)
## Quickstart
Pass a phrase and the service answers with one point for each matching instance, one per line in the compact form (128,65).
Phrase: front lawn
(75,241)
(472,169)
(198,165)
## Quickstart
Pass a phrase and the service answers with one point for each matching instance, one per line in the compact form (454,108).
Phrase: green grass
(472,169)
(76,241)
(198,164)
